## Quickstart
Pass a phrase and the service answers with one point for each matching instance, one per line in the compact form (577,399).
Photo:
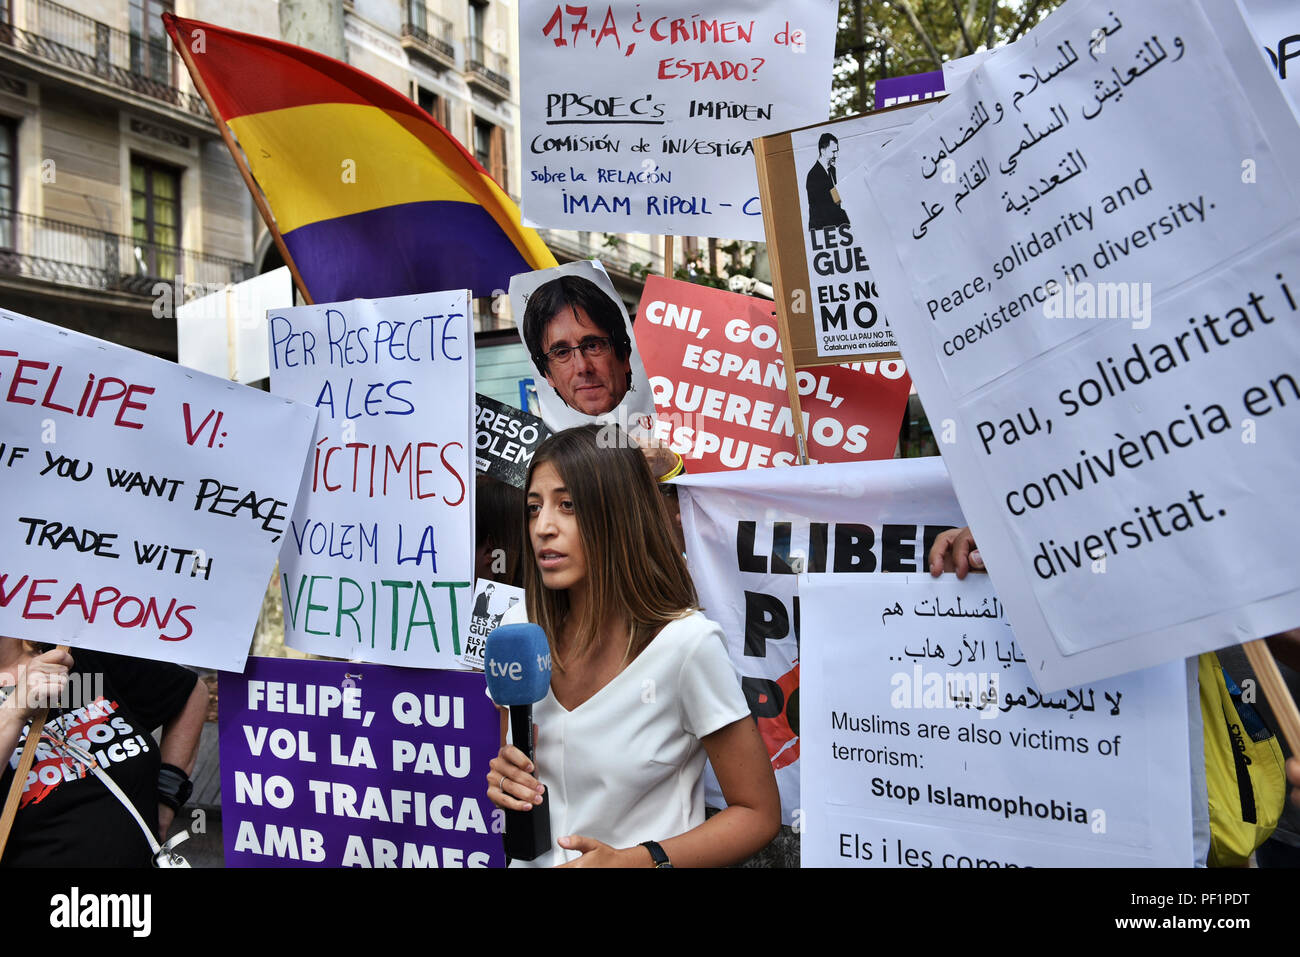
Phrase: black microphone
(517,662)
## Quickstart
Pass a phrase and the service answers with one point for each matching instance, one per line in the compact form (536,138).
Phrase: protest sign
(602,382)
(379,557)
(639,117)
(956,71)
(1098,302)
(224,332)
(505,439)
(748,532)
(928,744)
(144,504)
(719,384)
(491,601)
(897,90)
(334,764)
(1276,24)
(826,291)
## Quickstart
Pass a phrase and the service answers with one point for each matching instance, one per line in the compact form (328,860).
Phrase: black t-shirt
(67,817)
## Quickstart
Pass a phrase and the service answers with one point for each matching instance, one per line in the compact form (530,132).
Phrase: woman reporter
(641,685)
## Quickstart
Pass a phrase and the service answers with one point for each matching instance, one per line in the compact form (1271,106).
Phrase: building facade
(116,191)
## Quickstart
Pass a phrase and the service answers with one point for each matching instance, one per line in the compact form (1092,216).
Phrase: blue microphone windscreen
(517,662)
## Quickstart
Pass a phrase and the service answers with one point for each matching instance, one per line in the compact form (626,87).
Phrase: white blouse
(626,765)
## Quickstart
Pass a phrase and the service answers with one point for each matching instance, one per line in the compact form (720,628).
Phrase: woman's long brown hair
(635,573)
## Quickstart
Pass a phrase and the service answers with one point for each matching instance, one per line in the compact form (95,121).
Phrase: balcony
(65,254)
(430,36)
(55,34)
(486,68)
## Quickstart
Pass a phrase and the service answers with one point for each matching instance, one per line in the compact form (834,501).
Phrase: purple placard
(905,89)
(332,764)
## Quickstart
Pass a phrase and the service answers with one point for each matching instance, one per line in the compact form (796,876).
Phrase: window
(8,180)
(150,48)
(155,218)
(490,151)
(477,21)
(435,105)
(483,143)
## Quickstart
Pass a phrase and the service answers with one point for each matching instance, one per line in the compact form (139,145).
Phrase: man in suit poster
(823,209)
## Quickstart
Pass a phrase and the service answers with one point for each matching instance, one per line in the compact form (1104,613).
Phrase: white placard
(612,388)
(1120,439)
(638,117)
(224,332)
(956,71)
(144,504)
(747,531)
(928,744)
(378,560)
(1277,26)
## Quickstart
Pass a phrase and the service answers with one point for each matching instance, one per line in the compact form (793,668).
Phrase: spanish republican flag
(371,196)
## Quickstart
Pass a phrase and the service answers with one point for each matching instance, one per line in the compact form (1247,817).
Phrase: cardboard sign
(1110,330)
(826,291)
(144,503)
(747,534)
(638,117)
(719,383)
(331,764)
(379,557)
(928,744)
(570,305)
(505,440)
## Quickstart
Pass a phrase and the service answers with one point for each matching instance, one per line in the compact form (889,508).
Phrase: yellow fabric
(1233,840)
(326,160)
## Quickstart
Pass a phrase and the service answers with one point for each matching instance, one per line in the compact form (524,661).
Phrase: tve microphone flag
(517,661)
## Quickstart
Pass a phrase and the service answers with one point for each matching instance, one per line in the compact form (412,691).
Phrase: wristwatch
(657,854)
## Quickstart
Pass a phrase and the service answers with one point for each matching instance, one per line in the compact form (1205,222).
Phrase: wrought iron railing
(142,64)
(33,247)
(482,61)
(429,29)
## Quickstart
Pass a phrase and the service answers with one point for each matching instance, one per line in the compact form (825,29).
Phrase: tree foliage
(883,38)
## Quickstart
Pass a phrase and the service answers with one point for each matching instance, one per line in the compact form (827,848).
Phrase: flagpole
(767,199)
(244,171)
(668,257)
(1275,691)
